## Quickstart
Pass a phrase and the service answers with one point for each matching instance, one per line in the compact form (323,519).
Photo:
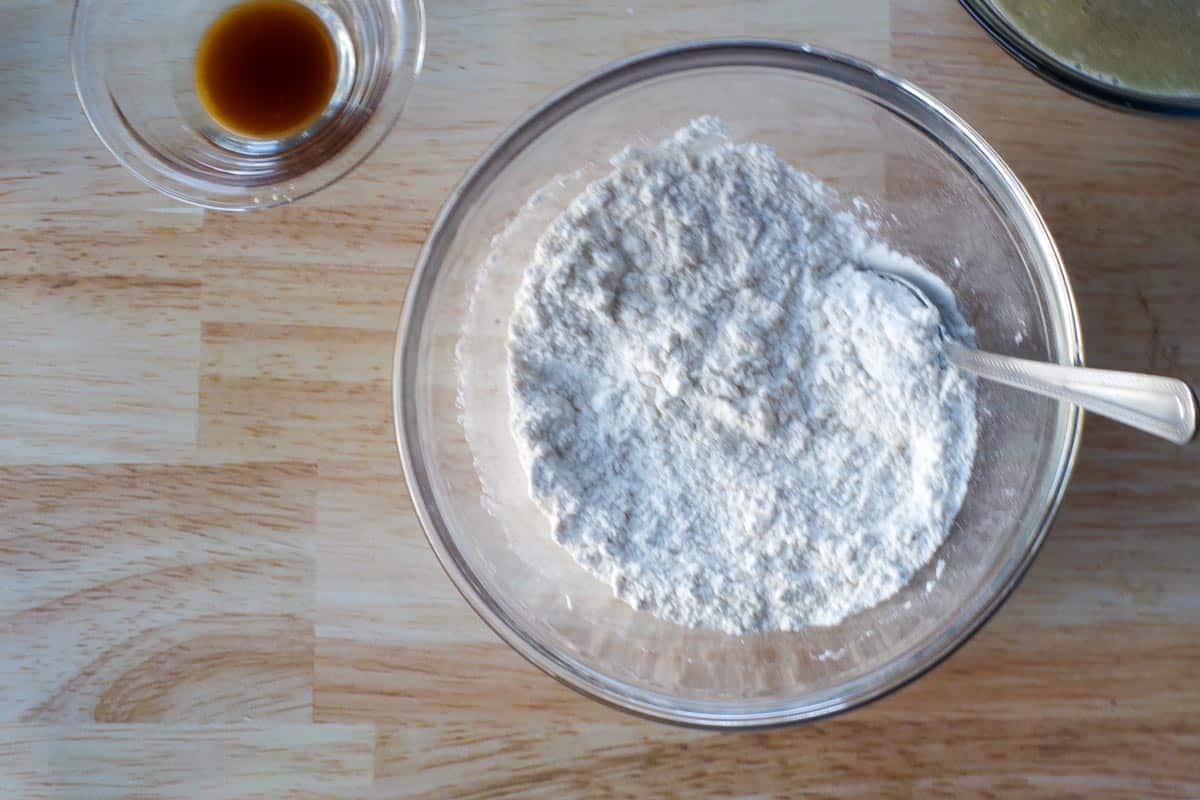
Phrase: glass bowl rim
(1039,61)
(600,83)
(139,161)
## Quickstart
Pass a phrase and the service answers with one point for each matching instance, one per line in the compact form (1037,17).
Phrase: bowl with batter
(667,432)
(1141,56)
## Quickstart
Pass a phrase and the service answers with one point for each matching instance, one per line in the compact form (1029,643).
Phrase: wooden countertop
(212,582)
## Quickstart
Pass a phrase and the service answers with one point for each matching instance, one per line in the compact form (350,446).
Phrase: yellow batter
(1151,46)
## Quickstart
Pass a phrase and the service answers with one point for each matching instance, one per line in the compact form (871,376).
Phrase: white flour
(723,417)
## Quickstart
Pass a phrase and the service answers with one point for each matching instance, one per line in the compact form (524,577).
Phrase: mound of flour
(724,417)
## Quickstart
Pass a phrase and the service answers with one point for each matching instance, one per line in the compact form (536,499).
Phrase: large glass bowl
(943,196)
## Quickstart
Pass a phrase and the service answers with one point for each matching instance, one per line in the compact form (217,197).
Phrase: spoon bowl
(1164,407)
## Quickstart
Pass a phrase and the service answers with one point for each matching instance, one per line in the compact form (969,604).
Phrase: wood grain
(212,582)
(92,762)
(107,364)
(157,593)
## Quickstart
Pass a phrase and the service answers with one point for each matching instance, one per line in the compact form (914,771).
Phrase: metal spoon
(1165,407)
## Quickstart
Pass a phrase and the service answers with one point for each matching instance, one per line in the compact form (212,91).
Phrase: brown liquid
(266,68)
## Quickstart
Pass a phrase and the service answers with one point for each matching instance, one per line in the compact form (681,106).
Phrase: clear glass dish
(943,196)
(1055,70)
(133,64)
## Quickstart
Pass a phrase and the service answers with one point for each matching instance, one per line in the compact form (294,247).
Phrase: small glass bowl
(938,192)
(133,63)
(1058,73)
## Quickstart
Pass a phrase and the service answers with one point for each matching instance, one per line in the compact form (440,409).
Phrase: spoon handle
(1165,407)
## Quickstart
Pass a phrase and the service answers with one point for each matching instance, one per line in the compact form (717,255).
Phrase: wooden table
(211,579)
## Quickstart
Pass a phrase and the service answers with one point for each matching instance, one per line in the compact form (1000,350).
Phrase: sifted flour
(724,418)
